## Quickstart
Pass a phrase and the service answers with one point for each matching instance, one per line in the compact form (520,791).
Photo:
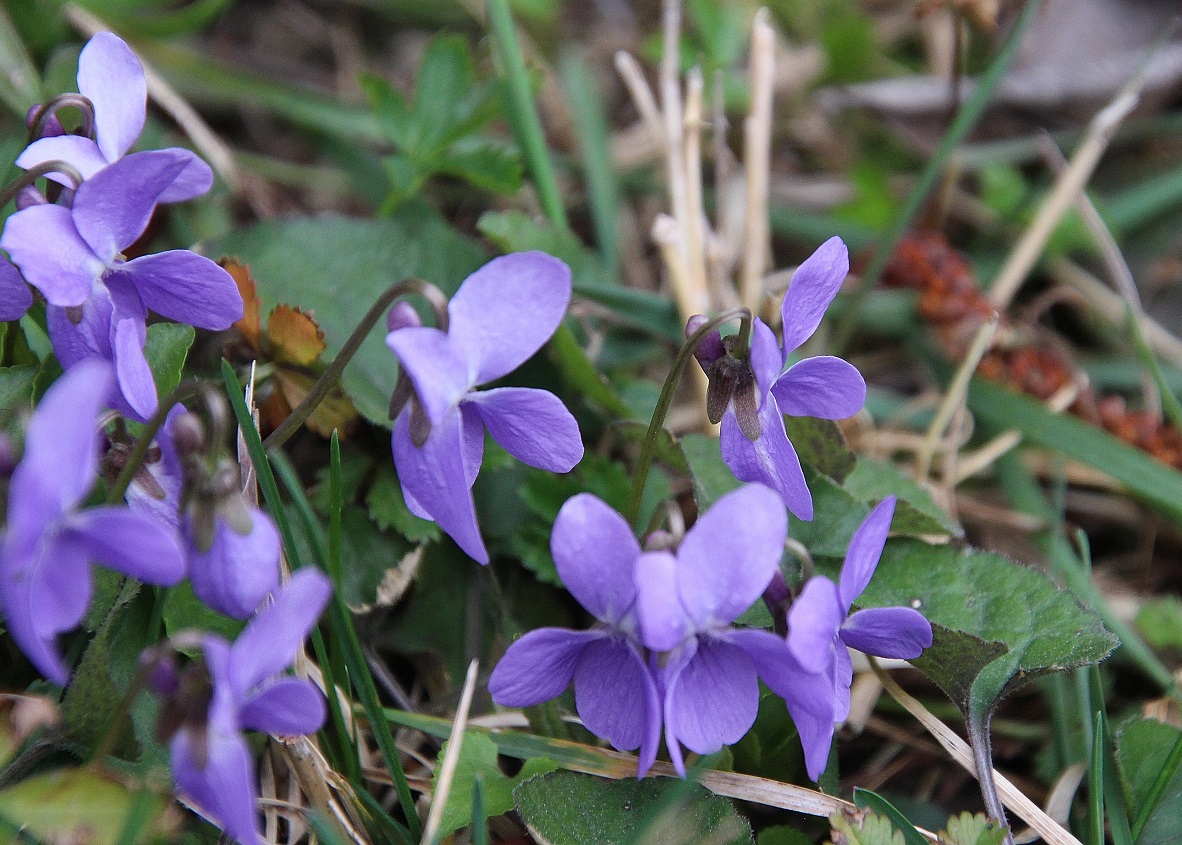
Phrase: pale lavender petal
(864,551)
(532,425)
(136,383)
(814,284)
(473,443)
(42,594)
(112,78)
(769,655)
(112,208)
(436,368)
(53,257)
(269,642)
(770,460)
(60,463)
(617,698)
(83,153)
(506,310)
(595,552)
(766,360)
(288,707)
(843,677)
(90,338)
(898,632)
(824,387)
(186,287)
(814,722)
(15,297)
(539,666)
(435,478)
(813,620)
(194,181)
(239,570)
(129,542)
(224,787)
(712,698)
(727,559)
(664,623)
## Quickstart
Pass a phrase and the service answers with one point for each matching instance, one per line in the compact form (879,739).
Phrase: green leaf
(1147,478)
(992,600)
(969,829)
(821,445)
(389,106)
(836,516)
(337,266)
(367,553)
(184,611)
(866,798)
(1143,749)
(166,349)
(478,757)
(1159,621)
(77,805)
(388,508)
(917,512)
(712,478)
(782,834)
(488,164)
(16,386)
(447,104)
(566,808)
(863,828)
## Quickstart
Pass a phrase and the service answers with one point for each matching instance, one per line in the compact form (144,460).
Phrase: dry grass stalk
(451,759)
(757,137)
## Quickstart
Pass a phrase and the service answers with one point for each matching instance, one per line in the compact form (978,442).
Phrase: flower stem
(34,173)
(977,725)
(47,110)
(648,448)
(329,377)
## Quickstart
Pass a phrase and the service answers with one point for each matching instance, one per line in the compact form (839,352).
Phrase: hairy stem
(34,173)
(978,730)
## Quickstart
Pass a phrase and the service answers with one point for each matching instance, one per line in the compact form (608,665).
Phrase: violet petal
(238,571)
(539,666)
(730,554)
(112,208)
(712,698)
(186,287)
(130,542)
(532,425)
(813,620)
(814,284)
(434,475)
(437,369)
(898,632)
(766,360)
(269,642)
(83,153)
(824,387)
(136,383)
(616,696)
(224,787)
(288,707)
(112,78)
(193,181)
(861,559)
(15,297)
(503,313)
(53,257)
(771,460)
(595,553)
(664,623)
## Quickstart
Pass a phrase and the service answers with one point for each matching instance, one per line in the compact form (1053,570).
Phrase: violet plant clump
(49,542)
(751,396)
(239,687)
(500,316)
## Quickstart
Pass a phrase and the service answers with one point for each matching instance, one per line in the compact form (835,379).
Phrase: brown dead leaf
(293,336)
(335,411)
(250,325)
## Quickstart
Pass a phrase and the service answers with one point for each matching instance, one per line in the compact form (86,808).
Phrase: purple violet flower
(686,602)
(755,446)
(615,693)
(48,547)
(211,762)
(819,632)
(238,568)
(15,297)
(500,316)
(98,300)
(112,78)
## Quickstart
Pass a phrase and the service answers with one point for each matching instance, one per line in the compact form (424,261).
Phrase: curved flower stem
(187,389)
(649,447)
(329,377)
(34,173)
(46,110)
(978,730)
